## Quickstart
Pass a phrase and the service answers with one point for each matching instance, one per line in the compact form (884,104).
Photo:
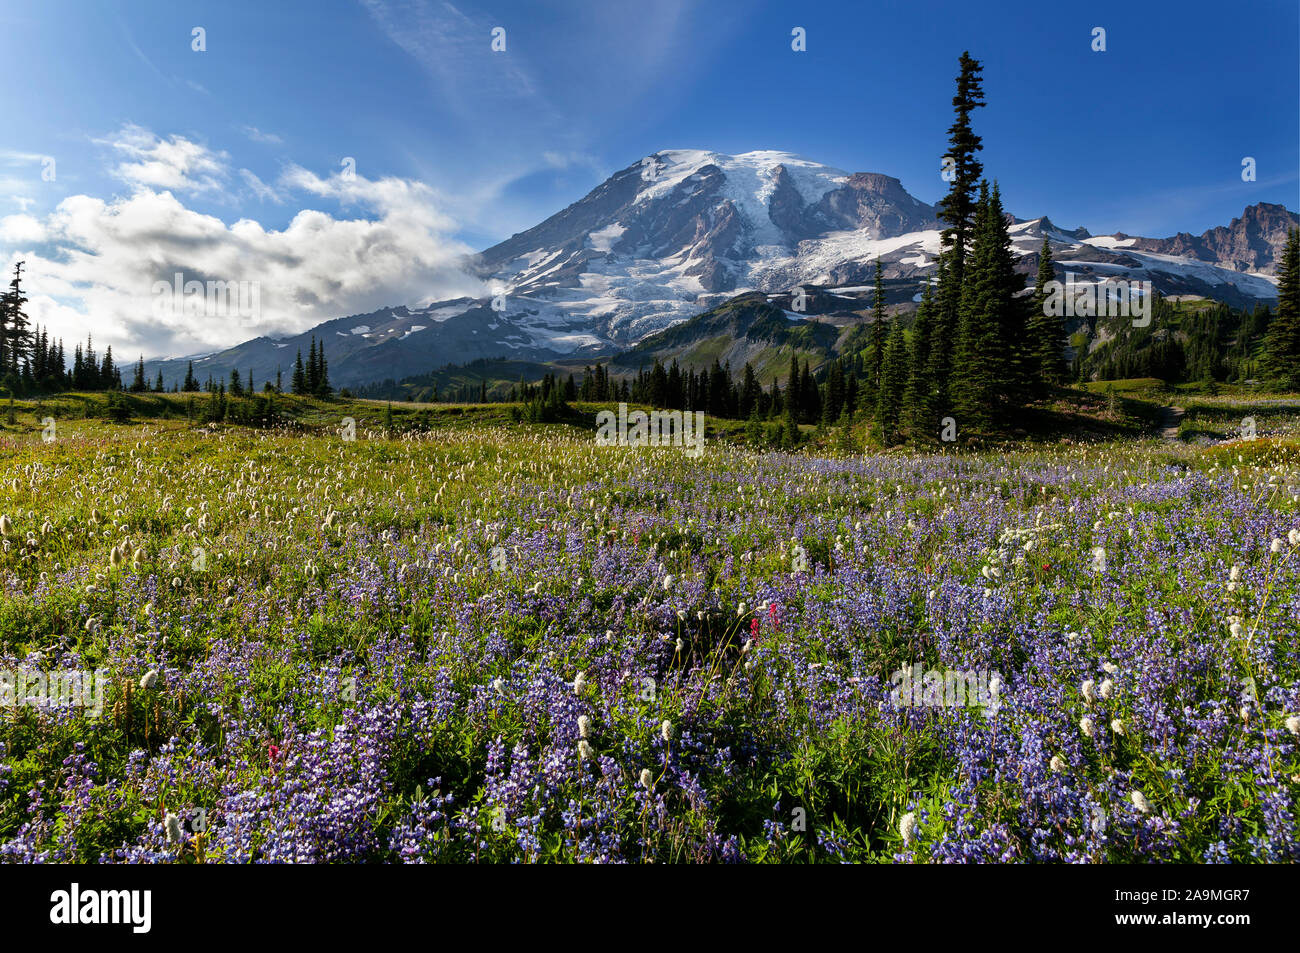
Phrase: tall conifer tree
(1282,340)
(957,210)
(1046,331)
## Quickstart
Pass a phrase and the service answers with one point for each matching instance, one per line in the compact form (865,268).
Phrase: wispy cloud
(455,49)
(259,188)
(257,135)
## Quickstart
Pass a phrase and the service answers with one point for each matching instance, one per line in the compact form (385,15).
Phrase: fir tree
(1282,340)
(14,332)
(893,382)
(917,396)
(312,380)
(957,211)
(298,382)
(108,374)
(792,390)
(979,363)
(1046,331)
(879,332)
(322,388)
(1005,284)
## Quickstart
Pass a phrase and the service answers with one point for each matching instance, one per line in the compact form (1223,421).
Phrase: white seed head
(907,827)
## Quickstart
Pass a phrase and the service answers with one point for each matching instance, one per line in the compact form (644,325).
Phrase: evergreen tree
(14,333)
(1005,285)
(108,374)
(893,382)
(879,332)
(191,383)
(298,382)
(917,411)
(322,388)
(158,386)
(1282,340)
(1046,332)
(751,393)
(137,382)
(792,390)
(312,380)
(979,362)
(957,211)
(809,396)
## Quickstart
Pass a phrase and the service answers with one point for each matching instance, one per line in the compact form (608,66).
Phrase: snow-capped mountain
(682,231)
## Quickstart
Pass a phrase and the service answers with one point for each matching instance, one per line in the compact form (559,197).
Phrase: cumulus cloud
(174,163)
(93,263)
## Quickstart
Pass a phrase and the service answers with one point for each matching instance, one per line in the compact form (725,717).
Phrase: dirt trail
(1170,418)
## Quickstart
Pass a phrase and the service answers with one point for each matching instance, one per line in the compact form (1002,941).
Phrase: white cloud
(260,188)
(20,229)
(175,163)
(92,263)
(455,49)
(257,135)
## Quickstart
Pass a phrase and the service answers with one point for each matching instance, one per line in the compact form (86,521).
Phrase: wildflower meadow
(491,641)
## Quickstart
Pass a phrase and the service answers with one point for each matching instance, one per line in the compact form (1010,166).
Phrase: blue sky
(229,160)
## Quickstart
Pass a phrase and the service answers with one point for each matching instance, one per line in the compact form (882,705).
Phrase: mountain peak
(683,231)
